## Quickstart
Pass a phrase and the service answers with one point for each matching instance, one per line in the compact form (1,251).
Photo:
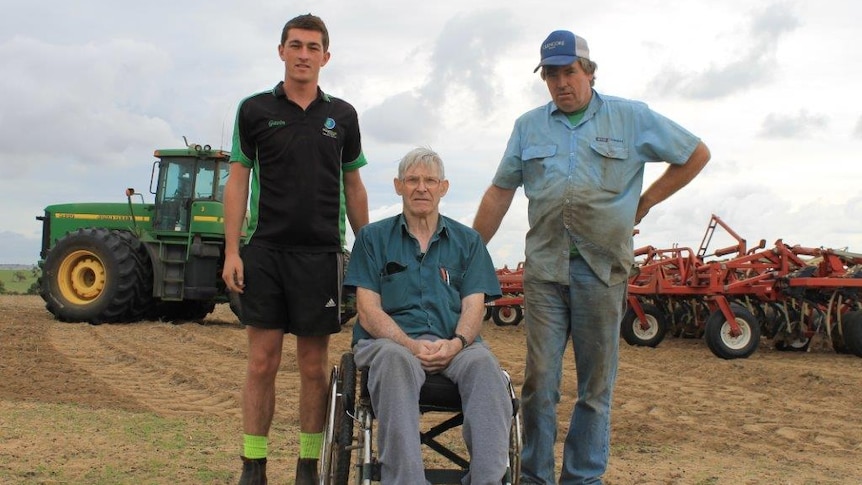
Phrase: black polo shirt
(297,157)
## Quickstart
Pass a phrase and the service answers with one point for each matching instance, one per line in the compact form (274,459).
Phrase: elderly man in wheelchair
(422,281)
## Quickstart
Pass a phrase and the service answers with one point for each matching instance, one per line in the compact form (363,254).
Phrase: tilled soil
(155,402)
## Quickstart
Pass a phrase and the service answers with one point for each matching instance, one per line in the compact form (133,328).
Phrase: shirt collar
(442,228)
(596,102)
(278,92)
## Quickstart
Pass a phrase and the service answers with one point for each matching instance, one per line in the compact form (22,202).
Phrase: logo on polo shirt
(273,123)
(328,126)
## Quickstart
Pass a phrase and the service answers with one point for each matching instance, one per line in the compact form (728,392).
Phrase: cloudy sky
(90,88)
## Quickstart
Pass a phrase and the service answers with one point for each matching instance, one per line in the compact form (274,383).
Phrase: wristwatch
(462,339)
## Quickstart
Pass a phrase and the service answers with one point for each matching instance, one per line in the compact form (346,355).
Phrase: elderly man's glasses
(413,181)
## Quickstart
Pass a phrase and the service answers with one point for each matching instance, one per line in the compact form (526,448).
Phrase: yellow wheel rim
(81,277)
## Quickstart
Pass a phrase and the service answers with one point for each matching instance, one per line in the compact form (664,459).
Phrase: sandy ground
(154,402)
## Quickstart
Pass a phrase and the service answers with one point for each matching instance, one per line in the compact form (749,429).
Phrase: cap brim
(557,61)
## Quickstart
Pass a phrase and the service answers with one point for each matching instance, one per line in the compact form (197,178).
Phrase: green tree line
(19,282)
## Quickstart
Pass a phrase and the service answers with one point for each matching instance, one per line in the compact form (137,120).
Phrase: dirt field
(154,403)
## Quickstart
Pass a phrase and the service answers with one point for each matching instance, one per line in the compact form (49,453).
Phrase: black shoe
(306,471)
(253,471)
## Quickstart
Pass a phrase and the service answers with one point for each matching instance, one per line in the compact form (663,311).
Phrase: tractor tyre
(90,275)
(348,304)
(143,300)
(235,304)
(723,344)
(182,311)
(634,333)
(853,333)
(505,316)
(347,309)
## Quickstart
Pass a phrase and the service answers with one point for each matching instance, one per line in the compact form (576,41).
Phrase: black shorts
(297,292)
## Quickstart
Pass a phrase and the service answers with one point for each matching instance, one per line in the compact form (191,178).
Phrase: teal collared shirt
(421,292)
(583,181)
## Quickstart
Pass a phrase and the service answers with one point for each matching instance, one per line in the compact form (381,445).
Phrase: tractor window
(174,195)
(204,180)
(183,180)
(176,181)
(223,172)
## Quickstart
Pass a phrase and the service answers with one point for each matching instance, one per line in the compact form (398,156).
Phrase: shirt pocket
(394,292)
(454,281)
(614,170)
(536,166)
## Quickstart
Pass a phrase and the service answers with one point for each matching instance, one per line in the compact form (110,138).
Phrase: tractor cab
(185,178)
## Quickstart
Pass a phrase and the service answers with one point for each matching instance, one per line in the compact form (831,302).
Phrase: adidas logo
(330,303)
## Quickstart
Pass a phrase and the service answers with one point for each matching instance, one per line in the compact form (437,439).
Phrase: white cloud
(753,63)
(88,106)
(801,125)
(402,118)
(91,89)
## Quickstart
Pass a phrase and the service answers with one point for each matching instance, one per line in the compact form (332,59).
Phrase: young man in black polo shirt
(303,149)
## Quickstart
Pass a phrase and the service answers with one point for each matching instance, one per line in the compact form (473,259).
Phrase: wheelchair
(349,429)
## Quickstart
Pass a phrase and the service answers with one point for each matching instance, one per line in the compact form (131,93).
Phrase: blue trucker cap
(562,48)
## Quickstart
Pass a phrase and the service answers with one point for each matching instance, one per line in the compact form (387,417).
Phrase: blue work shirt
(584,181)
(421,292)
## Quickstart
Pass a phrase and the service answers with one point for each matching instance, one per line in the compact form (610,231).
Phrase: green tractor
(131,261)
(124,262)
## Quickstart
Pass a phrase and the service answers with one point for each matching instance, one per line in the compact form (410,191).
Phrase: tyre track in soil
(169,369)
(679,412)
(31,369)
(765,399)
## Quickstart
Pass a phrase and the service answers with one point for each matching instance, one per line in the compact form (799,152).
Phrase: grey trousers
(394,380)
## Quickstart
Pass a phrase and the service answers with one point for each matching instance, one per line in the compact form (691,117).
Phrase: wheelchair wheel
(513,475)
(515,451)
(338,432)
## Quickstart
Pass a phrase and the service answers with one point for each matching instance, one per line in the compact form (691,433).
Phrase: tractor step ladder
(173,280)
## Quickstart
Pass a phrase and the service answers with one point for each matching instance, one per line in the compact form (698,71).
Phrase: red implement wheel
(644,334)
(721,339)
(505,316)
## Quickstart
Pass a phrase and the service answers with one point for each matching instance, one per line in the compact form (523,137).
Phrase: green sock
(309,445)
(254,447)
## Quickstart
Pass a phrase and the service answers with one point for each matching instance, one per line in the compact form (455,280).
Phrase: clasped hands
(434,356)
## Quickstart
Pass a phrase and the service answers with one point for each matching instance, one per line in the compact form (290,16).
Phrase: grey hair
(587,65)
(421,156)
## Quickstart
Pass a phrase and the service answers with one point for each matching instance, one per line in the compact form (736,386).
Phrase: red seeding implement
(732,297)
(508,310)
(791,294)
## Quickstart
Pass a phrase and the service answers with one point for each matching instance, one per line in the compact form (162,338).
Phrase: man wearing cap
(580,159)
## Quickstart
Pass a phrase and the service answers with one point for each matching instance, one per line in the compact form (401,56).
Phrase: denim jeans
(589,312)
